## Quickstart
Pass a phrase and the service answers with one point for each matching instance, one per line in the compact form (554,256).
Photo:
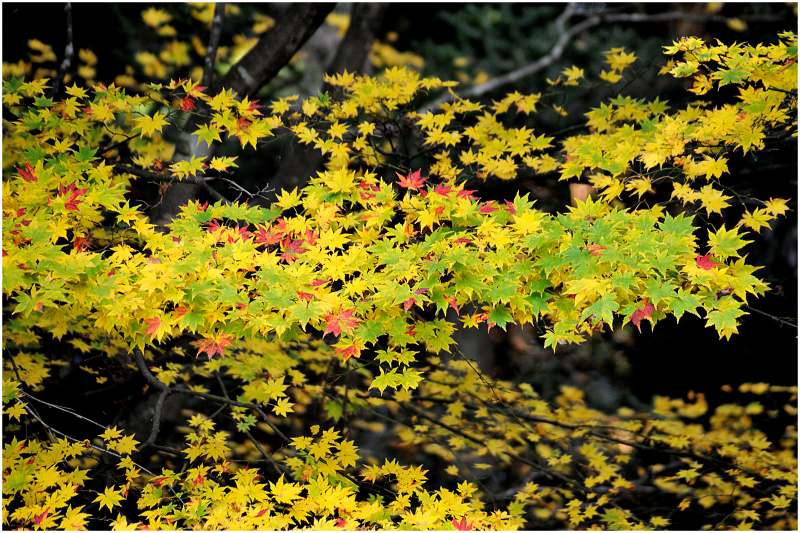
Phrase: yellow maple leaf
(109,498)
(155,17)
(223,163)
(148,125)
(16,411)
(712,199)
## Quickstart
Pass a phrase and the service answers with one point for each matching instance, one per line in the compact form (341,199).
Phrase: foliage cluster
(335,306)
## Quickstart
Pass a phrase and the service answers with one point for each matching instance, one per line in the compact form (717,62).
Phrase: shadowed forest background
(475,44)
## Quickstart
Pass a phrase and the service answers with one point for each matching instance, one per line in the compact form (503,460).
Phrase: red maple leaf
(453,303)
(343,321)
(187,104)
(307,296)
(442,189)
(646,311)
(412,180)
(487,208)
(311,237)
(80,243)
(27,173)
(243,232)
(706,262)
(408,304)
(213,346)
(595,249)
(213,226)
(74,193)
(348,352)
(267,236)
(152,325)
(39,518)
(511,207)
(466,193)
(462,525)
(291,249)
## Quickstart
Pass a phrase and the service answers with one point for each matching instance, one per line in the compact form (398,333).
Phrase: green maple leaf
(208,134)
(725,243)
(603,308)
(500,316)
(724,318)
(684,302)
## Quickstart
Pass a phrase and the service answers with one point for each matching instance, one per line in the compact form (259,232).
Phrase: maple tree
(330,311)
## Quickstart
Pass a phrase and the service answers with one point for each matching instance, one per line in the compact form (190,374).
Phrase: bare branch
(213,43)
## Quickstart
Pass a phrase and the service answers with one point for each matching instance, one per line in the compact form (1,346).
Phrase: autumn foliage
(291,333)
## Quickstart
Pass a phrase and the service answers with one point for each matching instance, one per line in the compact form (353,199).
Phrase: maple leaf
(487,208)
(706,262)
(343,321)
(39,518)
(442,189)
(71,204)
(27,173)
(347,352)
(214,345)
(462,525)
(267,236)
(152,325)
(187,104)
(595,249)
(148,125)
(109,498)
(646,311)
(412,180)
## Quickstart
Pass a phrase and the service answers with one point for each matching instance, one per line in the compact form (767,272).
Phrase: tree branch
(168,178)
(275,48)
(566,35)
(354,48)
(69,52)
(213,44)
